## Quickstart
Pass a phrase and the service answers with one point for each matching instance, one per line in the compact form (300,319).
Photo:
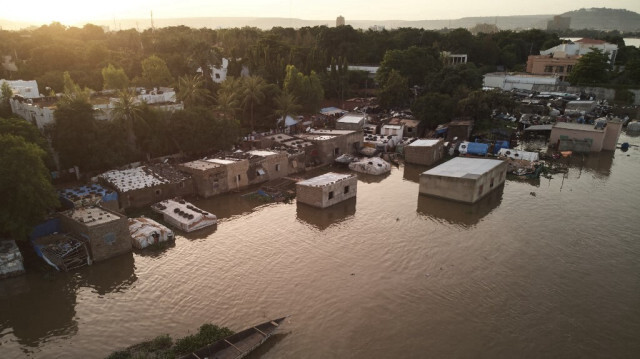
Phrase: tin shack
(327,189)
(463,179)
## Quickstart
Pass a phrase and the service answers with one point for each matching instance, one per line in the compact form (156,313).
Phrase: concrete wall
(467,190)
(424,155)
(103,240)
(319,196)
(351,126)
(344,144)
(596,137)
(237,175)
(208,182)
(611,135)
(146,196)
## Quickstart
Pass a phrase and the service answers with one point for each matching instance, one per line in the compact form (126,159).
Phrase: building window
(480,190)
(181,184)
(560,69)
(409,129)
(331,195)
(548,69)
(491,185)
(217,76)
(277,168)
(336,151)
(158,192)
(346,189)
(238,177)
(569,68)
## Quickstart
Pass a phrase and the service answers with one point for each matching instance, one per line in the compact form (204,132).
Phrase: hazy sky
(73,11)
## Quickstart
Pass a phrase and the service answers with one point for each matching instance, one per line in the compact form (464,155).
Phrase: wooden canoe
(238,345)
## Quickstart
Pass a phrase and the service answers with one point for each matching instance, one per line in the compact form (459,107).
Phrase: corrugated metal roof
(350,118)
(461,167)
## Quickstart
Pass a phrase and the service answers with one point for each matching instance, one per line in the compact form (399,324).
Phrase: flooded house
(411,128)
(146,232)
(569,136)
(463,179)
(424,151)
(351,121)
(460,129)
(62,251)
(89,195)
(333,143)
(183,215)
(299,151)
(105,232)
(244,169)
(327,189)
(210,178)
(144,185)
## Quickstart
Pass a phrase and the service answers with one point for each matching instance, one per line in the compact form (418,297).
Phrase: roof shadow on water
(113,275)
(412,171)
(598,163)
(461,214)
(323,218)
(268,345)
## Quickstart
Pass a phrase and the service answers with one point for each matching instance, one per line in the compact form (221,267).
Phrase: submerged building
(570,136)
(463,179)
(326,190)
(424,152)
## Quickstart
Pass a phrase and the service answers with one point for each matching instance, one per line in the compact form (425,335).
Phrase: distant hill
(604,19)
(594,18)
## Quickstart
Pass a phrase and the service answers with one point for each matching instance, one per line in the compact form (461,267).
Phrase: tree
(26,186)
(286,105)
(5,95)
(73,92)
(253,93)
(433,109)
(395,92)
(591,68)
(414,63)
(114,78)
(306,88)
(20,127)
(127,110)
(74,134)
(155,72)
(191,90)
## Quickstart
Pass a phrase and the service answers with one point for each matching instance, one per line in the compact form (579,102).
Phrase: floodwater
(549,268)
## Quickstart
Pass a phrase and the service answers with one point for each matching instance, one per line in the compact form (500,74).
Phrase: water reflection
(38,308)
(229,205)
(598,163)
(367,178)
(268,345)
(114,275)
(462,214)
(322,218)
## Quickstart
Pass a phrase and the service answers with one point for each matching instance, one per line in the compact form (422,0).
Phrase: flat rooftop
(577,127)
(262,153)
(223,161)
(92,216)
(424,143)
(325,179)
(331,132)
(464,167)
(201,165)
(351,118)
(394,127)
(317,137)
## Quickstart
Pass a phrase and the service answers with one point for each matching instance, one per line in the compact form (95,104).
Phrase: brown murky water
(538,269)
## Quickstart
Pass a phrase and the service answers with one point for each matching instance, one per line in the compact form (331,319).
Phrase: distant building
(582,47)
(484,29)
(523,81)
(557,65)
(26,89)
(327,189)
(453,59)
(340,21)
(559,23)
(376,28)
(463,179)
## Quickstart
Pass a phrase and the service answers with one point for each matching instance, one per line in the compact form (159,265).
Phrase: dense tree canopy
(592,68)
(25,184)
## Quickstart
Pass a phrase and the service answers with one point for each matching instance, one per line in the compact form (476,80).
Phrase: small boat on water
(238,345)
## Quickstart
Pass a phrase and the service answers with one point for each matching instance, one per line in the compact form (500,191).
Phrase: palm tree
(286,105)
(191,90)
(128,110)
(253,93)
(227,104)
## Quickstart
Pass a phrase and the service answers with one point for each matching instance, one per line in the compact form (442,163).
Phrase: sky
(71,12)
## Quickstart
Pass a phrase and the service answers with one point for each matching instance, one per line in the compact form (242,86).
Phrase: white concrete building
(582,47)
(26,89)
(327,189)
(508,81)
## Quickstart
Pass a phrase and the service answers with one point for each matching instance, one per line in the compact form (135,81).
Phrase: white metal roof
(518,155)
(132,179)
(221,161)
(351,118)
(262,153)
(424,143)
(325,179)
(464,167)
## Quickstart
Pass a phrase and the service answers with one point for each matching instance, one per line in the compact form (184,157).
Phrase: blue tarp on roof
(46,228)
(69,196)
(500,144)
